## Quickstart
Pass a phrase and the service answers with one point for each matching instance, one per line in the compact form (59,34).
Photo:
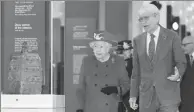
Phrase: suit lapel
(143,44)
(162,46)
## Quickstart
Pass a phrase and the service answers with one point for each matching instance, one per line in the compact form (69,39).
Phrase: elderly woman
(103,77)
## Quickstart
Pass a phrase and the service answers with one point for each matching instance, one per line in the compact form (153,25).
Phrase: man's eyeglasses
(146,18)
(185,44)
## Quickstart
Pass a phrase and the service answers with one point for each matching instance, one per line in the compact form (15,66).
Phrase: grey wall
(117,18)
(82,9)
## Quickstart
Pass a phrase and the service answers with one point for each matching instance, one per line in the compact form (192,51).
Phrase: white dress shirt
(192,54)
(156,33)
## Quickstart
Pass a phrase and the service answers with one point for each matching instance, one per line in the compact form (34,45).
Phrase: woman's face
(127,53)
(101,49)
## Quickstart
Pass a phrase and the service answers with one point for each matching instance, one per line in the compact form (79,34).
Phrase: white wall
(163,15)
(135,25)
(59,10)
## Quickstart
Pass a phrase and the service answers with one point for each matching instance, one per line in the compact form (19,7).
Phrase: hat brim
(120,48)
(112,43)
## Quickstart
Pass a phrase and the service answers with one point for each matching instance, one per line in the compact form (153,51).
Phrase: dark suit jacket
(187,89)
(147,74)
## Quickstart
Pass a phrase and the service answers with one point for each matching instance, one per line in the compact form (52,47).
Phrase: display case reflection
(25,72)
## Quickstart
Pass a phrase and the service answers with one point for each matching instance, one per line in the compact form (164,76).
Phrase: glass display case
(28,72)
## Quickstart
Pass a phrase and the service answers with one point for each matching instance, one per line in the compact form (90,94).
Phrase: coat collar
(162,45)
(111,59)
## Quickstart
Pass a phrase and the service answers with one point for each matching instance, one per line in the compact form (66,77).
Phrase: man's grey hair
(149,8)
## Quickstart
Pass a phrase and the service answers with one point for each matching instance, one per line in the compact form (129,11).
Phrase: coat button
(106,75)
(95,85)
(95,74)
(106,65)
(106,85)
(106,103)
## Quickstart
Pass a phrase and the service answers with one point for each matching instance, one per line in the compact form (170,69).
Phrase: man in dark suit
(157,52)
(187,89)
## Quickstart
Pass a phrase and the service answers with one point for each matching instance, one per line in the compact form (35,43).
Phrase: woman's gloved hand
(109,90)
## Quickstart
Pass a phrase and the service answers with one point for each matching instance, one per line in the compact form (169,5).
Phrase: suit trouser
(155,105)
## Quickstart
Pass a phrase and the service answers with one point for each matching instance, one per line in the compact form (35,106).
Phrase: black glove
(109,90)
(80,110)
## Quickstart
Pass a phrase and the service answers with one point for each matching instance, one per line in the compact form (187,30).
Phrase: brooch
(98,37)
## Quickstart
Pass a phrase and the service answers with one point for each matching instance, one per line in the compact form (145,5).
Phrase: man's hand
(132,102)
(176,76)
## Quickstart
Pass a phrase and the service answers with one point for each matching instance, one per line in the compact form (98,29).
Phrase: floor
(33,110)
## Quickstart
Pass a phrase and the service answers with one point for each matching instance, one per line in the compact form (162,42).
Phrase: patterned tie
(151,47)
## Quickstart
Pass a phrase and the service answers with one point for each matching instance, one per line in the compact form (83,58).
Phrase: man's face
(188,46)
(148,21)
(101,49)
(127,54)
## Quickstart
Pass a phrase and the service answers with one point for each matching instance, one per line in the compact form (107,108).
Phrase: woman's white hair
(148,8)
(92,44)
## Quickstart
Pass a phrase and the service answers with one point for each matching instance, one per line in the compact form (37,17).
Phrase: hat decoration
(103,36)
(98,36)
(125,45)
